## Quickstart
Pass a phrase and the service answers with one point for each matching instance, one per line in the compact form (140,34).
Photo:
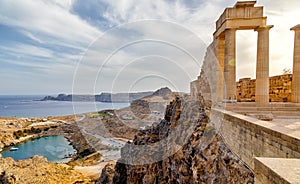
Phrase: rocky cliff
(182,148)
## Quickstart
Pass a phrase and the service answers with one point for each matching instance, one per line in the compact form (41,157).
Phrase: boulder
(263,117)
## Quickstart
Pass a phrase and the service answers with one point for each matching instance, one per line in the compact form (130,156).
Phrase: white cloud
(21,49)
(52,22)
(24,64)
(47,18)
(65,4)
(31,36)
(201,20)
(143,39)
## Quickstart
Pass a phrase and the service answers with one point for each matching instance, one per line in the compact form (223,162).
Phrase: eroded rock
(202,156)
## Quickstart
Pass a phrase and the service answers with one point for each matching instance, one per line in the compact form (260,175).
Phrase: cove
(54,148)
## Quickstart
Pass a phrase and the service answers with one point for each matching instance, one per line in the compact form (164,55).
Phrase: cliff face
(185,149)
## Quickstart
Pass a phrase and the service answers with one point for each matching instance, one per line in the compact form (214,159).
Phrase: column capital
(295,28)
(264,28)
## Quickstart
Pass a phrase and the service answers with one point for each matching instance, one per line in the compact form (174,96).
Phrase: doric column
(229,65)
(221,55)
(262,65)
(296,66)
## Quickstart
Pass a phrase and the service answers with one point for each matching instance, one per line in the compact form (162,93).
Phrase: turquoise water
(54,148)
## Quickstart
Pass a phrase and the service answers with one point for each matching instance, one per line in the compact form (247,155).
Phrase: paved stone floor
(286,115)
(290,126)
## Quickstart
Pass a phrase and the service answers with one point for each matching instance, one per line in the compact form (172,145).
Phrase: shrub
(46,129)
(85,153)
(18,134)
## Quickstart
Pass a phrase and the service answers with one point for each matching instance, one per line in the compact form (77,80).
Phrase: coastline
(96,144)
(60,126)
(65,126)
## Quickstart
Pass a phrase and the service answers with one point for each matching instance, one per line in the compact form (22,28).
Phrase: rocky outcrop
(38,170)
(109,97)
(186,149)
(107,174)
(164,92)
(126,122)
(121,97)
(6,178)
(7,128)
(103,97)
(74,134)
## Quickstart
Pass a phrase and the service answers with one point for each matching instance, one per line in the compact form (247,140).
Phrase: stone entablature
(242,16)
(280,89)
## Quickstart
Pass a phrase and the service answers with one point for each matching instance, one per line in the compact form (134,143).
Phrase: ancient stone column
(229,65)
(262,65)
(221,55)
(296,66)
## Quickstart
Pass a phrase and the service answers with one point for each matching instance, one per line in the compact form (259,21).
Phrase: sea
(27,106)
(54,148)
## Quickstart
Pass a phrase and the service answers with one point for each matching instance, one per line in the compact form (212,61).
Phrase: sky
(93,46)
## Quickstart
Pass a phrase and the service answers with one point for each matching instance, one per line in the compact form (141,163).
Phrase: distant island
(103,97)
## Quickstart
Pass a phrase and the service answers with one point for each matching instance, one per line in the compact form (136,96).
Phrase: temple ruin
(222,53)
(262,128)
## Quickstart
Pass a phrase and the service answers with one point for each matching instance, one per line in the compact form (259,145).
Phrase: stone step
(252,104)
(290,114)
(263,109)
(276,170)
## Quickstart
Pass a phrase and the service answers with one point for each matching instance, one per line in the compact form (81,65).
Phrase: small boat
(13,149)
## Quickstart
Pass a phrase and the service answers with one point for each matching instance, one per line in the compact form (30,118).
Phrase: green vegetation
(35,130)
(85,153)
(18,134)
(99,114)
(46,129)
(22,133)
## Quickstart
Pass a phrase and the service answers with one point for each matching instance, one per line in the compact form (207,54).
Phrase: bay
(54,148)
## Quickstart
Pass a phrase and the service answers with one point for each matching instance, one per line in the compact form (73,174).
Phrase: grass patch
(96,115)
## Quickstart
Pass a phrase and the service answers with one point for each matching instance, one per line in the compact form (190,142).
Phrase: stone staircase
(280,110)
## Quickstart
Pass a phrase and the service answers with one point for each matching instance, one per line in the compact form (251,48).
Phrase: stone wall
(206,84)
(248,137)
(245,89)
(280,89)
